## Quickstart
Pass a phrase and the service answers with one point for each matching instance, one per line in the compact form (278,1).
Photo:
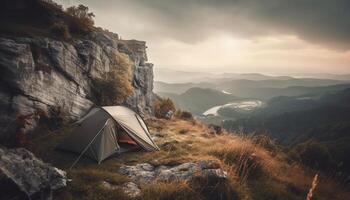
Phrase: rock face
(42,74)
(146,173)
(32,176)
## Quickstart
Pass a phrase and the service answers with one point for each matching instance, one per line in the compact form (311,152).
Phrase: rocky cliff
(40,75)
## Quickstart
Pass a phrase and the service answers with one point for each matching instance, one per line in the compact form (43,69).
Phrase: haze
(271,36)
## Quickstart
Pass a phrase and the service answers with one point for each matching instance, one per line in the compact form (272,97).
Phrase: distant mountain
(274,83)
(263,89)
(176,76)
(286,117)
(250,76)
(294,121)
(343,77)
(198,100)
(176,88)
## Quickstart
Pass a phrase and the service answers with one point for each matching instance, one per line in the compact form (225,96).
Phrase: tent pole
(87,147)
(147,131)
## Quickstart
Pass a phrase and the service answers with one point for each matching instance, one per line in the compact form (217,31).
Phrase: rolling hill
(198,100)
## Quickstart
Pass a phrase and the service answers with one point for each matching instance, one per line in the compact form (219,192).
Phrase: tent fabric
(130,121)
(97,133)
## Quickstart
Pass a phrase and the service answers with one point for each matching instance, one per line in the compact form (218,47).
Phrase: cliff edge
(43,76)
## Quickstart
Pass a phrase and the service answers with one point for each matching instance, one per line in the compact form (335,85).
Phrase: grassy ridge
(257,168)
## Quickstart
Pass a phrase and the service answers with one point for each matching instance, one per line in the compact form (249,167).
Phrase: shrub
(82,19)
(185,115)
(243,157)
(312,154)
(116,87)
(263,140)
(214,129)
(60,30)
(162,107)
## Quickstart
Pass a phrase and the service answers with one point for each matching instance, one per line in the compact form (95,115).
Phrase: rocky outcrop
(129,188)
(39,75)
(146,173)
(31,175)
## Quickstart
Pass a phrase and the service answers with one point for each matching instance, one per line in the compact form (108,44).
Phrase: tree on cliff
(82,18)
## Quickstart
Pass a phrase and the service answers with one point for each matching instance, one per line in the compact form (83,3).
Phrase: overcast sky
(269,36)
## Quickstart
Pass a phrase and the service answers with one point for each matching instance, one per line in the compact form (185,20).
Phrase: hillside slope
(197,100)
(256,168)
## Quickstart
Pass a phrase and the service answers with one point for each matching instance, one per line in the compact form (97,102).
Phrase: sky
(265,36)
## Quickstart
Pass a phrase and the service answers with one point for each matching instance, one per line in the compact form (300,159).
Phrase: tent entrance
(123,137)
(125,142)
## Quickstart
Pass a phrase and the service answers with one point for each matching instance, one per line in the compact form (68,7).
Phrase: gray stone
(109,186)
(142,173)
(129,188)
(185,171)
(41,73)
(30,174)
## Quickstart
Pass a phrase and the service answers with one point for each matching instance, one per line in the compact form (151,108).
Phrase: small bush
(116,86)
(185,115)
(312,154)
(60,30)
(214,129)
(247,164)
(263,140)
(162,107)
(82,20)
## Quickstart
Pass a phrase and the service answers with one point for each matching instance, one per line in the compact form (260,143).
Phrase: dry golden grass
(254,171)
(169,191)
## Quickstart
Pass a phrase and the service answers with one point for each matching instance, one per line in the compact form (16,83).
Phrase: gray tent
(108,130)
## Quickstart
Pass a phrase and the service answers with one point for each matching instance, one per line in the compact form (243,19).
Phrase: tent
(105,131)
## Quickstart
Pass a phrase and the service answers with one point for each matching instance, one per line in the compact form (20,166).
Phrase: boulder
(30,174)
(141,173)
(146,173)
(129,188)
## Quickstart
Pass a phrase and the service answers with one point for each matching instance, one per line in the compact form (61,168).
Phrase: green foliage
(116,86)
(82,19)
(162,107)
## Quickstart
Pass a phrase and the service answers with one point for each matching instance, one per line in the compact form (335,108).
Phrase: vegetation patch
(272,177)
(162,107)
(184,115)
(116,85)
(169,191)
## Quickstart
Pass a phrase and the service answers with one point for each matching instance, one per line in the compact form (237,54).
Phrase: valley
(297,113)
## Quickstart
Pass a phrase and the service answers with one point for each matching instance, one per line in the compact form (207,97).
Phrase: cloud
(323,22)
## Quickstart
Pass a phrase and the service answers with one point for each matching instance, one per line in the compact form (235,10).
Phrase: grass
(256,168)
